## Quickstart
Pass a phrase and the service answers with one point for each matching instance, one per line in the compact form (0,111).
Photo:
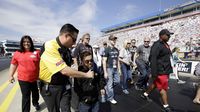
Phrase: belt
(46,84)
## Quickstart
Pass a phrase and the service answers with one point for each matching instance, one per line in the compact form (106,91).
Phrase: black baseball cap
(111,37)
(165,31)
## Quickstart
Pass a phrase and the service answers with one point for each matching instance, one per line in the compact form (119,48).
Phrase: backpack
(197,70)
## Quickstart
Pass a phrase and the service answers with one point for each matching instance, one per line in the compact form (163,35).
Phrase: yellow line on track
(7,101)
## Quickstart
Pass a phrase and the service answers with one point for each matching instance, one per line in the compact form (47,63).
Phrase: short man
(111,66)
(133,49)
(160,67)
(102,50)
(55,70)
(142,62)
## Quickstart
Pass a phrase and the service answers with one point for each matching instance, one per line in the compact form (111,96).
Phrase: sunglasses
(88,61)
(73,38)
(147,41)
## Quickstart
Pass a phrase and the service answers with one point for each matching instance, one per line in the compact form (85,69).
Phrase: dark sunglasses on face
(87,61)
(147,41)
(73,38)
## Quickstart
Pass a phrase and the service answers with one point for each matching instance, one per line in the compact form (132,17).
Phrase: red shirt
(28,65)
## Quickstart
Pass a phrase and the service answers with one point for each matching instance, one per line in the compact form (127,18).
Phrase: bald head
(147,41)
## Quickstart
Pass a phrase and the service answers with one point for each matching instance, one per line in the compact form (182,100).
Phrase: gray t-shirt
(112,55)
(144,53)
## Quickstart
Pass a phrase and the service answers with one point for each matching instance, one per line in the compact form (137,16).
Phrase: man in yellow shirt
(55,70)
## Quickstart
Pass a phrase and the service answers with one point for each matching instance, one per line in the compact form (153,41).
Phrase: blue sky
(43,18)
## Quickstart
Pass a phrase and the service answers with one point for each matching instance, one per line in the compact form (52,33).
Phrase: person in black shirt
(88,89)
(161,67)
(133,49)
(112,69)
(82,47)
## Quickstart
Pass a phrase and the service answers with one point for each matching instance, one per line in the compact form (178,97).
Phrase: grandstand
(10,46)
(183,20)
(1,49)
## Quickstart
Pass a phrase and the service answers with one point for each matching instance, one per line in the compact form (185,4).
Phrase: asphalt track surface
(180,97)
(4,63)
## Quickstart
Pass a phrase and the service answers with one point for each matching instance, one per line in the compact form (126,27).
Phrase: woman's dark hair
(22,49)
(84,54)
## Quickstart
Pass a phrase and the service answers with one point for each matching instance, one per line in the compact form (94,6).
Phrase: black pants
(26,89)
(58,98)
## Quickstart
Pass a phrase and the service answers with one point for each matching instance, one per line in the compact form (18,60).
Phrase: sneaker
(125,91)
(113,101)
(130,81)
(137,88)
(167,109)
(145,97)
(37,107)
(181,82)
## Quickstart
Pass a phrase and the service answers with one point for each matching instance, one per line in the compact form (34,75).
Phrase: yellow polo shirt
(51,61)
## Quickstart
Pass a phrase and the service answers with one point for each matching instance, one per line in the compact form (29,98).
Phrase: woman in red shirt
(26,62)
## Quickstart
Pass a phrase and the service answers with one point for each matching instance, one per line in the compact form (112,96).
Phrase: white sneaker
(125,91)
(113,101)
(181,82)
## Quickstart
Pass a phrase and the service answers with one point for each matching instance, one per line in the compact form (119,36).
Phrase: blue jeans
(89,108)
(113,79)
(144,70)
(126,72)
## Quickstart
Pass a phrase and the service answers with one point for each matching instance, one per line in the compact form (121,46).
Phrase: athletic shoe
(125,91)
(113,101)
(37,107)
(145,97)
(181,82)
(167,109)
(138,88)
